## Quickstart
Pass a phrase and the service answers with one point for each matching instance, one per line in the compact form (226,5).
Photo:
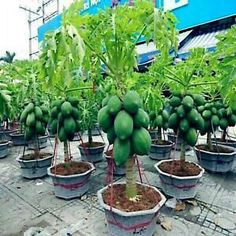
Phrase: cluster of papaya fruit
(185,118)
(65,118)
(217,114)
(35,119)
(160,119)
(125,123)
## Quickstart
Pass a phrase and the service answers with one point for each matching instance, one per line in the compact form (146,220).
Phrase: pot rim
(179,177)
(16,134)
(163,145)
(5,144)
(28,161)
(102,146)
(134,213)
(227,141)
(71,176)
(217,153)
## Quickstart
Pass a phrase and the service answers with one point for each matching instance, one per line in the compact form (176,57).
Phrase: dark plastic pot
(172,137)
(92,154)
(228,142)
(4,148)
(214,161)
(42,143)
(121,223)
(117,170)
(32,169)
(153,134)
(71,186)
(161,151)
(178,186)
(5,134)
(18,139)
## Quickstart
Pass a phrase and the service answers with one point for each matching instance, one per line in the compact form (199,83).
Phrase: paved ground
(29,207)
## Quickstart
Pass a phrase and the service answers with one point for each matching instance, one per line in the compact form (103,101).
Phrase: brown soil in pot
(148,198)
(174,168)
(32,156)
(109,152)
(214,149)
(70,168)
(161,142)
(94,144)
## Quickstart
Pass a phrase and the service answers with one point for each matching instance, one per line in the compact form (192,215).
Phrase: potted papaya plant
(71,178)
(90,151)
(5,99)
(214,156)
(34,118)
(180,178)
(113,44)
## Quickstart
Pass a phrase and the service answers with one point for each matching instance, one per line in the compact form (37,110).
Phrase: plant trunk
(182,155)
(209,142)
(159,134)
(66,152)
(90,137)
(131,186)
(223,136)
(36,146)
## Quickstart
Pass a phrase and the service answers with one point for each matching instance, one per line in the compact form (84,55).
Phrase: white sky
(14,30)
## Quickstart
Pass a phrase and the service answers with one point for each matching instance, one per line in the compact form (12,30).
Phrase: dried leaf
(166,224)
(180,206)
(192,202)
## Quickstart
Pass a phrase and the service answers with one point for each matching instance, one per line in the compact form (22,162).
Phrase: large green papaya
(199,99)
(38,113)
(105,120)
(123,125)
(66,109)
(187,103)
(29,108)
(54,112)
(30,120)
(23,116)
(105,101)
(114,105)
(75,113)
(132,102)
(173,121)
(39,128)
(111,135)
(121,151)
(62,134)
(175,101)
(141,119)
(53,126)
(69,125)
(29,133)
(193,116)
(73,101)
(191,137)
(141,141)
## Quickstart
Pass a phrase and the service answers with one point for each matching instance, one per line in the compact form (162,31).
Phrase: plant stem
(36,146)
(182,154)
(159,134)
(223,136)
(90,137)
(66,152)
(209,142)
(131,186)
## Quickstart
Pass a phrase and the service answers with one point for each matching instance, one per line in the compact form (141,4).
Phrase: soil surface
(32,156)
(148,198)
(214,149)
(109,152)
(174,168)
(94,144)
(70,168)
(161,142)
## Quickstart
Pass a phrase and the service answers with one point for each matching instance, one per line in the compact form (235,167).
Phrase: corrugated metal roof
(206,40)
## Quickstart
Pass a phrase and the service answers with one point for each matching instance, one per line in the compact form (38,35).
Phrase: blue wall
(196,12)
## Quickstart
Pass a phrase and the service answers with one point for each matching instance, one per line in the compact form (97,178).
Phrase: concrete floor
(29,207)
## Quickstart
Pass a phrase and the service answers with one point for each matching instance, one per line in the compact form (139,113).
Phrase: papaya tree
(187,82)
(110,38)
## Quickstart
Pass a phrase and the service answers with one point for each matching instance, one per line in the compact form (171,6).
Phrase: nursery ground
(29,207)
